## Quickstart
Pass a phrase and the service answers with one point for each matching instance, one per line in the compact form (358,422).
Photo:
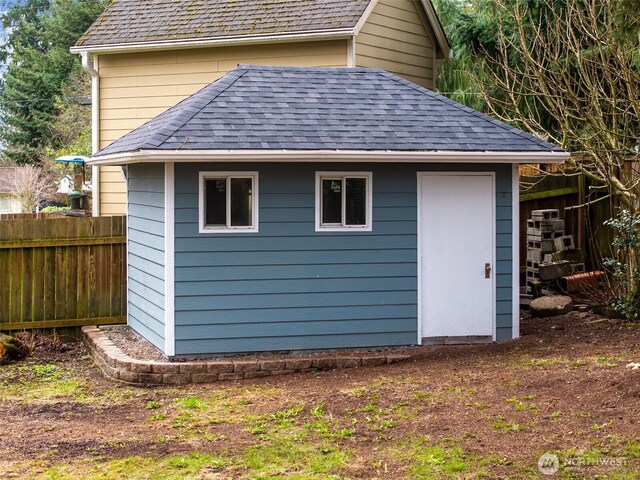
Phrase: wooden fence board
(61,272)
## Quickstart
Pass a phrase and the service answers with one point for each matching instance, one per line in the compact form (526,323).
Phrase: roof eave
(308,156)
(314,35)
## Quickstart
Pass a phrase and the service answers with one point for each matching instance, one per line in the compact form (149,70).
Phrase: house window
(5,204)
(228,202)
(343,201)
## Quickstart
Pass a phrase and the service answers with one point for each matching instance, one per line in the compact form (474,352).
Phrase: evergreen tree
(39,66)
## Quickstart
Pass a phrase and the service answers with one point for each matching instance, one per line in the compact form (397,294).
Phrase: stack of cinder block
(546,247)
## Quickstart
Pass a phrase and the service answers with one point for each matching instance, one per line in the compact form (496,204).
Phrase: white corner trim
(310,156)
(313,35)
(318,202)
(169,260)
(420,249)
(255,202)
(515,199)
(351,52)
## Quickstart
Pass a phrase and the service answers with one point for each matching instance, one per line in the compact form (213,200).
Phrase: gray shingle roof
(142,21)
(295,108)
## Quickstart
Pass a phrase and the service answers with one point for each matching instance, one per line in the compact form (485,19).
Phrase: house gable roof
(143,24)
(322,109)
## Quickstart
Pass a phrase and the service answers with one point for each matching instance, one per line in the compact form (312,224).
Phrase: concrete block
(574,256)
(193,367)
(397,358)
(558,225)
(577,268)
(348,362)
(150,378)
(534,255)
(547,246)
(373,361)
(138,366)
(325,363)
(245,366)
(176,379)
(204,378)
(272,365)
(546,214)
(552,271)
(533,273)
(564,243)
(220,367)
(165,368)
(130,377)
(540,235)
(298,364)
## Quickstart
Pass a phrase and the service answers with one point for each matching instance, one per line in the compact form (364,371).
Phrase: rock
(550,306)
(11,348)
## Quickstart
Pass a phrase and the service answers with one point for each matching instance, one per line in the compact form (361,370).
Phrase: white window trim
(344,228)
(201,202)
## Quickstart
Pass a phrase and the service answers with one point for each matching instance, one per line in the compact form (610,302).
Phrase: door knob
(487,270)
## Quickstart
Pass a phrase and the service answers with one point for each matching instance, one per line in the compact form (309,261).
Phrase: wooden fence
(62,272)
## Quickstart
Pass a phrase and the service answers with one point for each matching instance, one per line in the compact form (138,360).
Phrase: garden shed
(293,208)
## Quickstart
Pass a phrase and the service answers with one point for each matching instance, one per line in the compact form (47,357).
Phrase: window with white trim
(343,201)
(228,202)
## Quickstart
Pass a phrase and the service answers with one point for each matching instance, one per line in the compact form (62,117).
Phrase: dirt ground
(489,411)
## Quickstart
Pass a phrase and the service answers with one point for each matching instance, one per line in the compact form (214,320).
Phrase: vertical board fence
(62,272)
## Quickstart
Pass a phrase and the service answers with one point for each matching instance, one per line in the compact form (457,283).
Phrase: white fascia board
(437,27)
(308,156)
(342,33)
(365,16)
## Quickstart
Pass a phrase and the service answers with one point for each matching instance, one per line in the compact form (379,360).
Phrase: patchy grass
(190,466)
(470,412)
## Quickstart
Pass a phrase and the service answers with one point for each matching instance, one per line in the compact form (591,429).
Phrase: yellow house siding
(136,87)
(396,39)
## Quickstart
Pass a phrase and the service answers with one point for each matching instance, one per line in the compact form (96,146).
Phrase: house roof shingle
(295,108)
(148,21)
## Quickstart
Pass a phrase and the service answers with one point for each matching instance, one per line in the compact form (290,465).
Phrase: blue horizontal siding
(249,343)
(145,184)
(300,314)
(298,328)
(289,287)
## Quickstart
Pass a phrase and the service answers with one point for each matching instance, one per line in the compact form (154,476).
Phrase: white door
(456,248)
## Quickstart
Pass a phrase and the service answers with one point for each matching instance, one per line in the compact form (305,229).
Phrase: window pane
(332,202)
(241,199)
(216,202)
(356,198)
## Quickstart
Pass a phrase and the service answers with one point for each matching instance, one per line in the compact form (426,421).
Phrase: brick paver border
(117,365)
